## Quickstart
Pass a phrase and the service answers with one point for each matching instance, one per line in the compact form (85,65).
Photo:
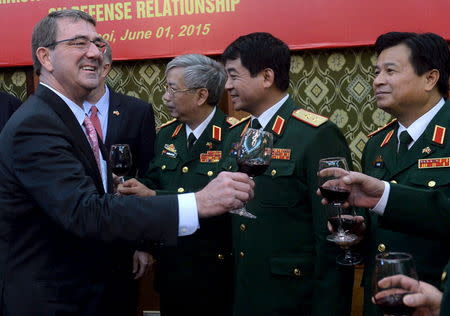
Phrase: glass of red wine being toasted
(253,157)
(390,300)
(342,220)
(120,160)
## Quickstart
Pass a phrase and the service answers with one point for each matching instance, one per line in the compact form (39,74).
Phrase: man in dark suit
(411,83)
(193,278)
(121,119)
(283,263)
(57,223)
(8,104)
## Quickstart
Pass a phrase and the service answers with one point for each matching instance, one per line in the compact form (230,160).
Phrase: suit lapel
(388,153)
(115,117)
(79,138)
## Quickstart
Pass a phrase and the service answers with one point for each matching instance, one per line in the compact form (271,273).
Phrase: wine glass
(253,157)
(390,300)
(342,220)
(120,160)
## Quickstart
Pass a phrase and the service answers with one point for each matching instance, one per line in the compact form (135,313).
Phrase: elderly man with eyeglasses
(59,223)
(195,277)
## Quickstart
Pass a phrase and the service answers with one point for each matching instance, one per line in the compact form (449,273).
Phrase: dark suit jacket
(380,160)
(131,121)
(55,220)
(8,104)
(284,265)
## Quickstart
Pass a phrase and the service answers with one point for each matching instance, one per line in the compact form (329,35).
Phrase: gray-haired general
(58,223)
(195,277)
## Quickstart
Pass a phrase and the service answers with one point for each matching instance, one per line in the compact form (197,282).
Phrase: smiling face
(398,89)
(71,70)
(246,92)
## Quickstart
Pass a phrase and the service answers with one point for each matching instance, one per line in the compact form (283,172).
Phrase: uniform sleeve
(330,278)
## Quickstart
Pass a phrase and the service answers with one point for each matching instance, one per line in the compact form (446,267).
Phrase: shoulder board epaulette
(232,120)
(167,123)
(382,128)
(245,119)
(310,118)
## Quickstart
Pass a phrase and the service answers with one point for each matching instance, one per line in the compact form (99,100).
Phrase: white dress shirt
(267,115)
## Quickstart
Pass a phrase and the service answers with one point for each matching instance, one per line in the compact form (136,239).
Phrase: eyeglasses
(172,91)
(82,43)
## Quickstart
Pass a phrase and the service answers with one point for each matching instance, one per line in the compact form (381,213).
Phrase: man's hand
(426,298)
(142,263)
(227,192)
(134,187)
(365,191)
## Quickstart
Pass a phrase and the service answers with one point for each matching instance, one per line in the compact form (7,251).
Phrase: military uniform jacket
(284,265)
(201,263)
(421,167)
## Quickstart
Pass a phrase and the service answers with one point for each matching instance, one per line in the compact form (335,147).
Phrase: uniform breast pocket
(433,179)
(209,170)
(228,164)
(278,186)
(166,164)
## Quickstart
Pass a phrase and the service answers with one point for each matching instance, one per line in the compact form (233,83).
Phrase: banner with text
(166,28)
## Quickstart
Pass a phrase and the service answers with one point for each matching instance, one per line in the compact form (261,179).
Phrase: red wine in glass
(393,305)
(334,194)
(252,168)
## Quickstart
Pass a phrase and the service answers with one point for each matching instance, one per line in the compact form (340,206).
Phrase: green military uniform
(193,278)
(420,167)
(283,263)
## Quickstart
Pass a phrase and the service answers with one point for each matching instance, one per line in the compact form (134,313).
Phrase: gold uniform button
(180,190)
(431,184)
(274,172)
(297,272)
(242,254)
(444,275)
(163,167)
(210,173)
(220,256)
(185,169)
(393,181)
(381,247)
(242,227)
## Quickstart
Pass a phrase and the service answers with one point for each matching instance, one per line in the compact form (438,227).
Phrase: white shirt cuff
(187,214)
(381,205)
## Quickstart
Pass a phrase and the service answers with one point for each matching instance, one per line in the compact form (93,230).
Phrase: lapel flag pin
(116,113)
(426,150)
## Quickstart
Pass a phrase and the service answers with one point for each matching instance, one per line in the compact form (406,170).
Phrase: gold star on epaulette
(310,118)
(245,119)
(232,120)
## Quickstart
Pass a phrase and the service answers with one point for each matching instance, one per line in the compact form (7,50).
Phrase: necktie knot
(405,140)
(94,110)
(255,124)
(191,140)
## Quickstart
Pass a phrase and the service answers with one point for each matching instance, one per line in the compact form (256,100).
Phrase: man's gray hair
(107,55)
(44,33)
(202,72)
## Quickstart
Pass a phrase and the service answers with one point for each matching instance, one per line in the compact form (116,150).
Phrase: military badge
(426,150)
(434,163)
(169,150)
(378,162)
(281,153)
(209,145)
(116,113)
(234,149)
(211,156)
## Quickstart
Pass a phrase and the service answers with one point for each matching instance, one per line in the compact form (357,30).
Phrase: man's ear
(105,69)
(203,95)
(268,77)
(44,56)
(431,79)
